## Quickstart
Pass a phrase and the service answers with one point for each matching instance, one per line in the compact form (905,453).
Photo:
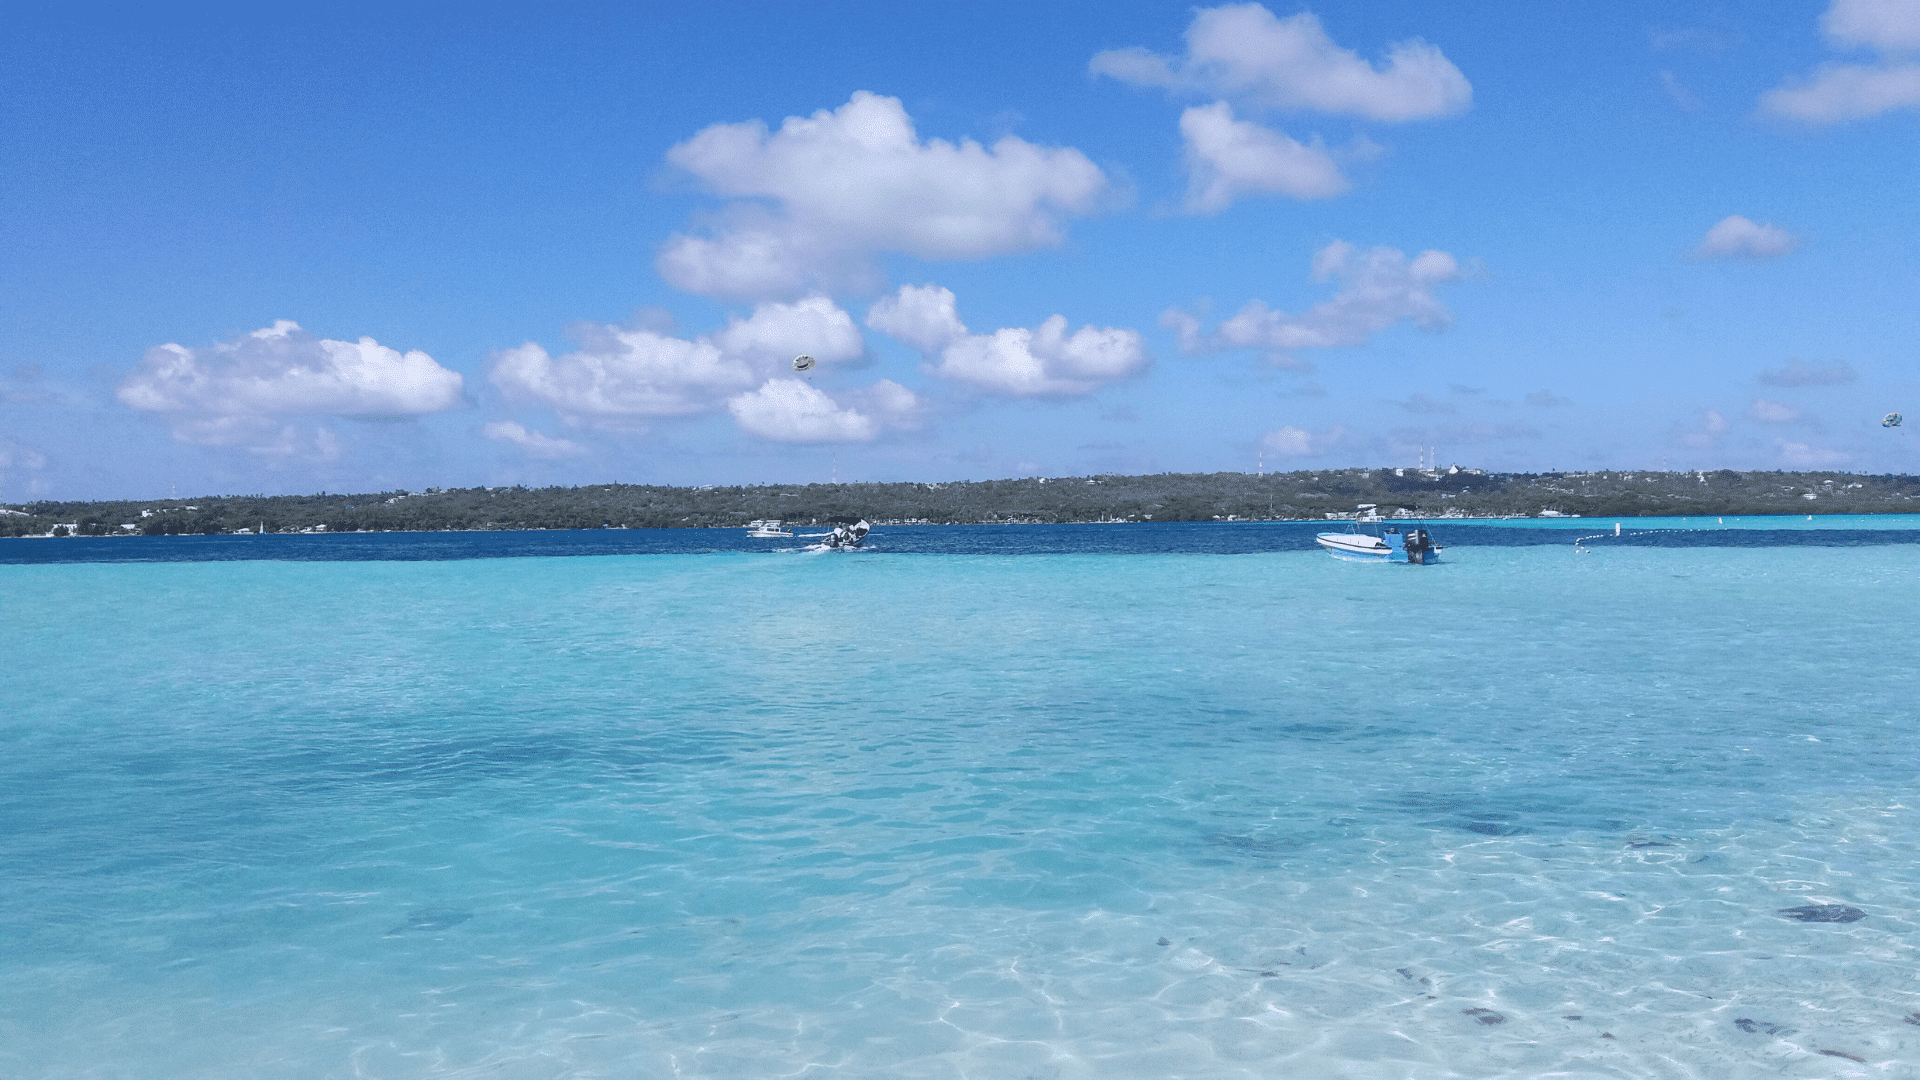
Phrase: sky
(354,248)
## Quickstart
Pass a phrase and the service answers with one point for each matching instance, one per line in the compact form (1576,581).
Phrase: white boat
(767,529)
(1371,541)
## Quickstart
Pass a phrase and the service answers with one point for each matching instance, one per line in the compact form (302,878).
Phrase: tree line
(1103,497)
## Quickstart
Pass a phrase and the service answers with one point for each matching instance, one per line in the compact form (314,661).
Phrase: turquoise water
(1524,813)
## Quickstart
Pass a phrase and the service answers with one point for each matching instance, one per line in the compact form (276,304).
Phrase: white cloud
(1427,403)
(1800,373)
(1736,237)
(1018,362)
(1227,158)
(1378,288)
(533,442)
(822,195)
(1015,361)
(1293,442)
(1243,52)
(1772,412)
(775,333)
(791,410)
(1841,92)
(1546,399)
(1797,455)
(1887,25)
(230,394)
(1045,360)
(923,316)
(622,377)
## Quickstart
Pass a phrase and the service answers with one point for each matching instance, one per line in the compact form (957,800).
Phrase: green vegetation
(1161,497)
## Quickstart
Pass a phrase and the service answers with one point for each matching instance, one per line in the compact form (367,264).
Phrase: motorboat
(1370,540)
(767,529)
(845,536)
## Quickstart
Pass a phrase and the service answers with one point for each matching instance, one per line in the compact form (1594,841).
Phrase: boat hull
(1361,547)
(1355,548)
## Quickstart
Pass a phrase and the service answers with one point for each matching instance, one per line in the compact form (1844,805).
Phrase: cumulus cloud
(1017,362)
(1888,25)
(1045,360)
(1378,288)
(815,200)
(1772,412)
(1839,92)
(1293,442)
(1835,93)
(1243,52)
(534,443)
(775,333)
(1736,237)
(237,393)
(620,377)
(1228,158)
(794,411)
(623,377)
(1547,399)
(1800,373)
(923,316)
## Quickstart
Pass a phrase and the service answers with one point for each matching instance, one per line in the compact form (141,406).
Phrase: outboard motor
(1418,546)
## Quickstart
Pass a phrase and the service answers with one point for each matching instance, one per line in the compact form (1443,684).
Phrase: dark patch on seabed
(1253,845)
(431,919)
(1758,1027)
(1824,913)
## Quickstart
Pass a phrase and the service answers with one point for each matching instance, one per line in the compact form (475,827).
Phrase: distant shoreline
(1301,496)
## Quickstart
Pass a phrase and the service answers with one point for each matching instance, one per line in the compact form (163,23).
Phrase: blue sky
(409,246)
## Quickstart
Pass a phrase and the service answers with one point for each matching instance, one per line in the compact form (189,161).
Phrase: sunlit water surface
(1528,812)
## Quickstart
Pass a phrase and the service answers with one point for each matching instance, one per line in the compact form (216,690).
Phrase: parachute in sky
(803,362)
(1892,420)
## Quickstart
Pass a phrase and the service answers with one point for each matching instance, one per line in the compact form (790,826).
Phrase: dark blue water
(1145,538)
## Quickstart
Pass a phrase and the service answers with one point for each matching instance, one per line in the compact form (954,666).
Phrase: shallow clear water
(911,815)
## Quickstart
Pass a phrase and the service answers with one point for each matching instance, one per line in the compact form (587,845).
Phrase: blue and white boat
(1370,540)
